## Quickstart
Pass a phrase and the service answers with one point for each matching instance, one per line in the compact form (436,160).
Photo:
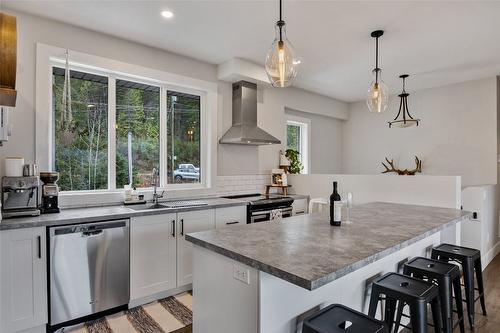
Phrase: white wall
(457,134)
(232,160)
(326,142)
(437,191)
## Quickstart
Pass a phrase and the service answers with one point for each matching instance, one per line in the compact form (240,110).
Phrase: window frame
(305,139)
(49,57)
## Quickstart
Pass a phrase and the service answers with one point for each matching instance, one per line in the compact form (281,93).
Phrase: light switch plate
(241,273)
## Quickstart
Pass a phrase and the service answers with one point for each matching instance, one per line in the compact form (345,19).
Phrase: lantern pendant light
(378,95)
(281,62)
(406,119)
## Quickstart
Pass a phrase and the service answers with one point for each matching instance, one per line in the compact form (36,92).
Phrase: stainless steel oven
(262,215)
(261,208)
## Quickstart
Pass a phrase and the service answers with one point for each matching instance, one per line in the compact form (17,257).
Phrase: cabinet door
(299,206)
(152,255)
(23,279)
(189,222)
(230,216)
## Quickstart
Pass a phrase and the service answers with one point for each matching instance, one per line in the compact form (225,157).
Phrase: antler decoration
(404,172)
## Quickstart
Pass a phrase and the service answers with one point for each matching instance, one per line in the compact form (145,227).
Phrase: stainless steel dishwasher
(89,269)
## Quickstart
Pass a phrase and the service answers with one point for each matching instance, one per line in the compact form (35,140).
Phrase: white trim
(111,133)
(490,255)
(305,138)
(47,56)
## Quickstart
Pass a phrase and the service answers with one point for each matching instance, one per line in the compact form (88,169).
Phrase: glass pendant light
(281,62)
(406,119)
(378,95)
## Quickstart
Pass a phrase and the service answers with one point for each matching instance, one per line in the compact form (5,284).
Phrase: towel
(276,215)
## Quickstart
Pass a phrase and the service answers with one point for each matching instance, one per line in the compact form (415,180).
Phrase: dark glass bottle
(335,207)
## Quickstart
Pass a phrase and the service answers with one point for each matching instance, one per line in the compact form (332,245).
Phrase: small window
(137,133)
(297,135)
(81,134)
(183,137)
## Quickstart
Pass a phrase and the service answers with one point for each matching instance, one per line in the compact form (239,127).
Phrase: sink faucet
(156,178)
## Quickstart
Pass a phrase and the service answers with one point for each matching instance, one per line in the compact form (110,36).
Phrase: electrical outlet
(241,274)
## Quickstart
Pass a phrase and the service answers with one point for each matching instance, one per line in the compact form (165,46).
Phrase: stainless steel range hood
(245,130)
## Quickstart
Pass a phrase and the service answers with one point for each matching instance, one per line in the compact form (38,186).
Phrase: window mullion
(112,133)
(163,137)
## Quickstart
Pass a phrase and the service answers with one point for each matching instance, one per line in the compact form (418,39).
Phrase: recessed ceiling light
(167,14)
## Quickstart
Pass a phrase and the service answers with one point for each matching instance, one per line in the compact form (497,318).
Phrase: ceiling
(438,43)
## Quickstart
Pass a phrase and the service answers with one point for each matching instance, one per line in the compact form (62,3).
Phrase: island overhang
(306,251)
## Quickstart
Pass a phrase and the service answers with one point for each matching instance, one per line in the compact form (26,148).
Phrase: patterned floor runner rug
(171,314)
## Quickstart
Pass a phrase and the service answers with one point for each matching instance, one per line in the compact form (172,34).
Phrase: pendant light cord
(376,60)
(281,23)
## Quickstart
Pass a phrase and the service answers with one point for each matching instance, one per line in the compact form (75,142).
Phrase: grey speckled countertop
(94,214)
(306,251)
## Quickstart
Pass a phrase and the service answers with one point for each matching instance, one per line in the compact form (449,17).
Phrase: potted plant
(294,158)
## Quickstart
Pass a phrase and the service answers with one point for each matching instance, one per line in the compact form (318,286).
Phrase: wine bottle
(335,207)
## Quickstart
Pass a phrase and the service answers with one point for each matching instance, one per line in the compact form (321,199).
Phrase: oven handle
(283,210)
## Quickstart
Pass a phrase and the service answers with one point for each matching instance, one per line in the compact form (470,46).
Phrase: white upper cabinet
(23,279)
(188,222)
(152,254)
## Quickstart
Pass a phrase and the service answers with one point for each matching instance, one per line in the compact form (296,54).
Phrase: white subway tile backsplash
(242,184)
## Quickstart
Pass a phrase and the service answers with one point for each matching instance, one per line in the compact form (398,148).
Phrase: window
(297,138)
(107,142)
(183,138)
(137,133)
(80,136)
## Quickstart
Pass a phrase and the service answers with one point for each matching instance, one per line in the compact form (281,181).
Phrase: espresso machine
(50,192)
(20,196)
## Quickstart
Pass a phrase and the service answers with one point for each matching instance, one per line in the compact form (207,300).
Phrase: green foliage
(294,158)
(293,137)
(81,150)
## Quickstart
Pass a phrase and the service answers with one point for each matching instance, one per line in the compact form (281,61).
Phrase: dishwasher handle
(91,233)
(89,229)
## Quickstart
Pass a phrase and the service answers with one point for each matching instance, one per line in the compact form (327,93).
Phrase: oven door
(265,215)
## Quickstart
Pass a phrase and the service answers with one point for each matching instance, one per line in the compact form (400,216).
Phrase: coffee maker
(20,196)
(50,192)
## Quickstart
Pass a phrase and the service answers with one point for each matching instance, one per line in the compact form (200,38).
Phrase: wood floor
(491,323)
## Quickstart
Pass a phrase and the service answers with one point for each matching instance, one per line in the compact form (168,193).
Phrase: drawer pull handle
(234,222)
(39,244)
(182,227)
(173,228)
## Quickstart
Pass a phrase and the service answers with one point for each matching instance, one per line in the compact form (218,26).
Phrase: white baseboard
(164,294)
(490,255)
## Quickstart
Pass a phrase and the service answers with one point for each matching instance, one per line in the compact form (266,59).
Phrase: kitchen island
(263,277)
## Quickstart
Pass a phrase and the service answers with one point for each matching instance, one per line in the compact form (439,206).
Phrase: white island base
(268,304)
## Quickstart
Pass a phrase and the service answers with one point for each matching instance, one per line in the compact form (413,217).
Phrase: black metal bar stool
(470,260)
(447,277)
(406,290)
(337,318)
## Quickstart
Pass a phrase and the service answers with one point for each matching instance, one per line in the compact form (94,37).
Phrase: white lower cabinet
(230,216)
(152,254)
(160,257)
(299,206)
(188,222)
(23,279)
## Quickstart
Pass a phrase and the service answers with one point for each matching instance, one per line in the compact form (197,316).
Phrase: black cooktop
(259,199)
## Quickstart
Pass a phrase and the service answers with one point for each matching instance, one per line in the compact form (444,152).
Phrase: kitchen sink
(170,205)
(148,206)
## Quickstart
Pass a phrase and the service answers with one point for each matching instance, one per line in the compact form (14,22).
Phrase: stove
(263,208)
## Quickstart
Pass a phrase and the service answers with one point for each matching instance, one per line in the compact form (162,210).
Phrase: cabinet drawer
(230,216)
(299,206)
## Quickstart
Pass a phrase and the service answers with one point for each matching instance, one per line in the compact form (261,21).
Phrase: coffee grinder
(50,192)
